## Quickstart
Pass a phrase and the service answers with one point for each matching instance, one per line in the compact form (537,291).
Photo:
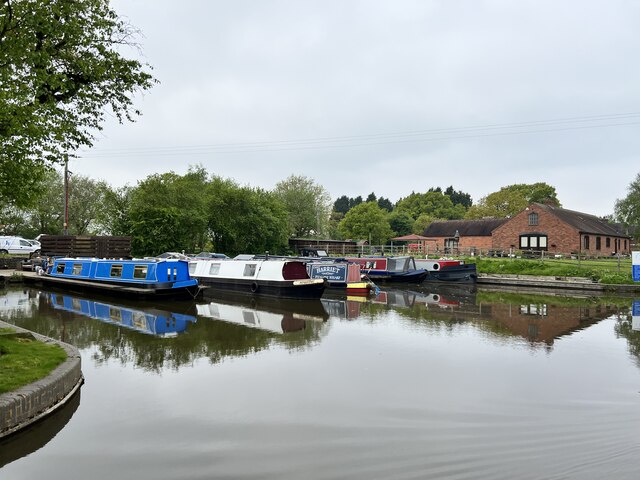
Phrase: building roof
(585,223)
(465,228)
(410,238)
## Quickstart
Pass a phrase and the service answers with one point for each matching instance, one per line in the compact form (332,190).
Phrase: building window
(533,218)
(625,245)
(533,241)
(598,243)
(585,244)
(607,242)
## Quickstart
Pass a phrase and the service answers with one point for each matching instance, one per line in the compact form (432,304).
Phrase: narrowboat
(391,269)
(276,277)
(138,277)
(152,321)
(341,275)
(445,270)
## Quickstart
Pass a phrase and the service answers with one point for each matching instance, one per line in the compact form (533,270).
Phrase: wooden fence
(77,246)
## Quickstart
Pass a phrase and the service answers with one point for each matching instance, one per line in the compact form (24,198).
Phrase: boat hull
(138,291)
(296,289)
(417,276)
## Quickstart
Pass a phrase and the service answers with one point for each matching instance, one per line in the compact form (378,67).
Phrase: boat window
(60,268)
(140,271)
(214,269)
(77,268)
(59,300)
(115,313)
(250,270)
(192,268)
(116,270)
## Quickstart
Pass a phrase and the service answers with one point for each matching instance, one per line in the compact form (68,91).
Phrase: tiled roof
(585,223)
(465,228)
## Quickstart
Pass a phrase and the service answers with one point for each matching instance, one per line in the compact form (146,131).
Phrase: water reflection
(635,315)
(540,319)
(151,321)
(39,434)
(272,315)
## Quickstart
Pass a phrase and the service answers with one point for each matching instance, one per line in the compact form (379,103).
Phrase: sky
(390,97)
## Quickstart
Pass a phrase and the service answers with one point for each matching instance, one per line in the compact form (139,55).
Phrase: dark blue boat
(137,277)
(153,321)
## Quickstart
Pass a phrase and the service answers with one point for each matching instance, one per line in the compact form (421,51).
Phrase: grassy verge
(608,271)
(25,360)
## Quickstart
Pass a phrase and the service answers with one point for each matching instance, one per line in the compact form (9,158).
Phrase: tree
(459,197)
(385,203)
(307,203)
(366,221)
(512,199)
(371,198)
(627,209)
(341,205)
(401,223)
(114,218)
(60,66)
(433,203)
(168,212)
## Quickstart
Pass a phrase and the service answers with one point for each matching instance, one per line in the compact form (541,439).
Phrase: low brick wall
(33,402)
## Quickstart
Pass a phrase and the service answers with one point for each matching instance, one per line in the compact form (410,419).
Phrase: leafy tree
(627,209)
(259,222)
(421,223)
(371,198)
(459,197)
(307,203)
(114,218)
(400,222)
(366,221)
(168,213)
(512,199)
(385,203)
(433,203)
(60,66)
(341,205)
(353,202)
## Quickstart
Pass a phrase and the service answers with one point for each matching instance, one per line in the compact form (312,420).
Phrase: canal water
(416,383)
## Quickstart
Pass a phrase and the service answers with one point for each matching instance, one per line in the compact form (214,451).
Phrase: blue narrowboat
(137,277)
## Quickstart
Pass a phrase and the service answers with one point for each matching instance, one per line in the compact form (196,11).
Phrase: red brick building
(455,236)
(556,230)
(537,228)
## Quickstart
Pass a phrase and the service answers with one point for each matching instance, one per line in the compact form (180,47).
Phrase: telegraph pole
(65,230)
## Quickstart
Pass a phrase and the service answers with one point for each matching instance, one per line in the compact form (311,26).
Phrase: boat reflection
(149,320)
(269,314)
(635,315)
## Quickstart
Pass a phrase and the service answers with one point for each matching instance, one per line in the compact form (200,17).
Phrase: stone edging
(22,407)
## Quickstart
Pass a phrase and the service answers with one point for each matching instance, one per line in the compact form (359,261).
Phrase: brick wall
(561,238)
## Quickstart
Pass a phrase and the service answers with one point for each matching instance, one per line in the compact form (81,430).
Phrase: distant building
(542,227)
(537,228)
(468,235)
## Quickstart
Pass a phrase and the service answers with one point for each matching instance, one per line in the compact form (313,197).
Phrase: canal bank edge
(33,402)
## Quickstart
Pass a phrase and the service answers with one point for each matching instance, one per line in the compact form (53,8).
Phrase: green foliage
(459,197)
(168,213)
(366,221)
(510,200)
(627,209)
(401,223)
(433,203)
(421,223)
(308,206)
(60,66)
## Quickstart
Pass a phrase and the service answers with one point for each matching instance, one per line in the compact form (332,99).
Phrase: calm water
(442,384)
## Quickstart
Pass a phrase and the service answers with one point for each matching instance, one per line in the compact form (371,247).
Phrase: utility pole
(65,230)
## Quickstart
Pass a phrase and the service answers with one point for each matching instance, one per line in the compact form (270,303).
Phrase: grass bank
(24,360)
(609,271)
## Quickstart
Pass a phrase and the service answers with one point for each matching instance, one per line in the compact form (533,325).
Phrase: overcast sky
(387,96)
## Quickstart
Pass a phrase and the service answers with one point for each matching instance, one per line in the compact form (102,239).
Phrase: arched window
(533,218)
